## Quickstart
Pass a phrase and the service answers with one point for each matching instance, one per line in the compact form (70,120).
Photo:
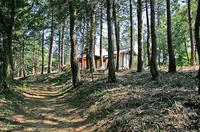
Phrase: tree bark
(36,59)
(164,57)
(172,61)
(63,46)
(101,37)
(33,60)
(158,27)
(140,41)
(186,52)
(42,72)
(192,61)
(51,45)
(117,36)
(131,28)
(197,25)
(22,60)
(92,39)
(59,51)
(148,33)
(111,63)
(87,46)
(83,41)
(8,65)
(159,58)
(74,46)
(2,73)
(153,66)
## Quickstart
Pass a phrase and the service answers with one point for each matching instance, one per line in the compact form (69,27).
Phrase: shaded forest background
(39,32)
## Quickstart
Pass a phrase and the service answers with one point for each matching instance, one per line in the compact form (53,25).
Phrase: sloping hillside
(49,103)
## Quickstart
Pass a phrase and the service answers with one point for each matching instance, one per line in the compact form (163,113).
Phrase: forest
(99,65)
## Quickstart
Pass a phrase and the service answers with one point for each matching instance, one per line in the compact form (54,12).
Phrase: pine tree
(111,63)
(74,46)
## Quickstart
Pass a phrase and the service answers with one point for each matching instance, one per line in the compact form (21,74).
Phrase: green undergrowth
(62,78)
(21,88)
(6,110)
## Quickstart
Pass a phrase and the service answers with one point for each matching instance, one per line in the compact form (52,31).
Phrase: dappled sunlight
(134,102)
(44,107)
(33,96)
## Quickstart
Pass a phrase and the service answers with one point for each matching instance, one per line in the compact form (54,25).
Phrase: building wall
(83,64)
(124,61)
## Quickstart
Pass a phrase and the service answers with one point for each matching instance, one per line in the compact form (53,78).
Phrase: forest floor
(135,103)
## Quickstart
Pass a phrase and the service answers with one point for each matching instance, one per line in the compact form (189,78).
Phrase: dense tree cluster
(39,36)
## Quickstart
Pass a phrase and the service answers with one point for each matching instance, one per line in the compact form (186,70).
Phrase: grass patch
(63,78)
(21,88)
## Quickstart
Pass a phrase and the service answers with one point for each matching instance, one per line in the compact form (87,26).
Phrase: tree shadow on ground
(135,102)
(136,94)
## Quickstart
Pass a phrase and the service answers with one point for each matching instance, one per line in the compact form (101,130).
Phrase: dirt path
(45,108)
(135,103)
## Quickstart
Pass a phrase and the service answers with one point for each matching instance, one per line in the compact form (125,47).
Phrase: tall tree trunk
(159,58)
(42,72)
(111,63)
(33,60)
(22,60)
(101,37)
(23,65)
(117,35)
(88,44)
(140,41)
(59,45)
(92,39)
(186,50)
(8,65)
(51,45)
(36,60)
(164,57)
(87,60)
(131,28)
(195,53)
(63,46)
(2,73)
(158,27)
(74,46)
(153,66)
(148,33)
(83,42)
(197,25)
(172,61)
(192,61)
